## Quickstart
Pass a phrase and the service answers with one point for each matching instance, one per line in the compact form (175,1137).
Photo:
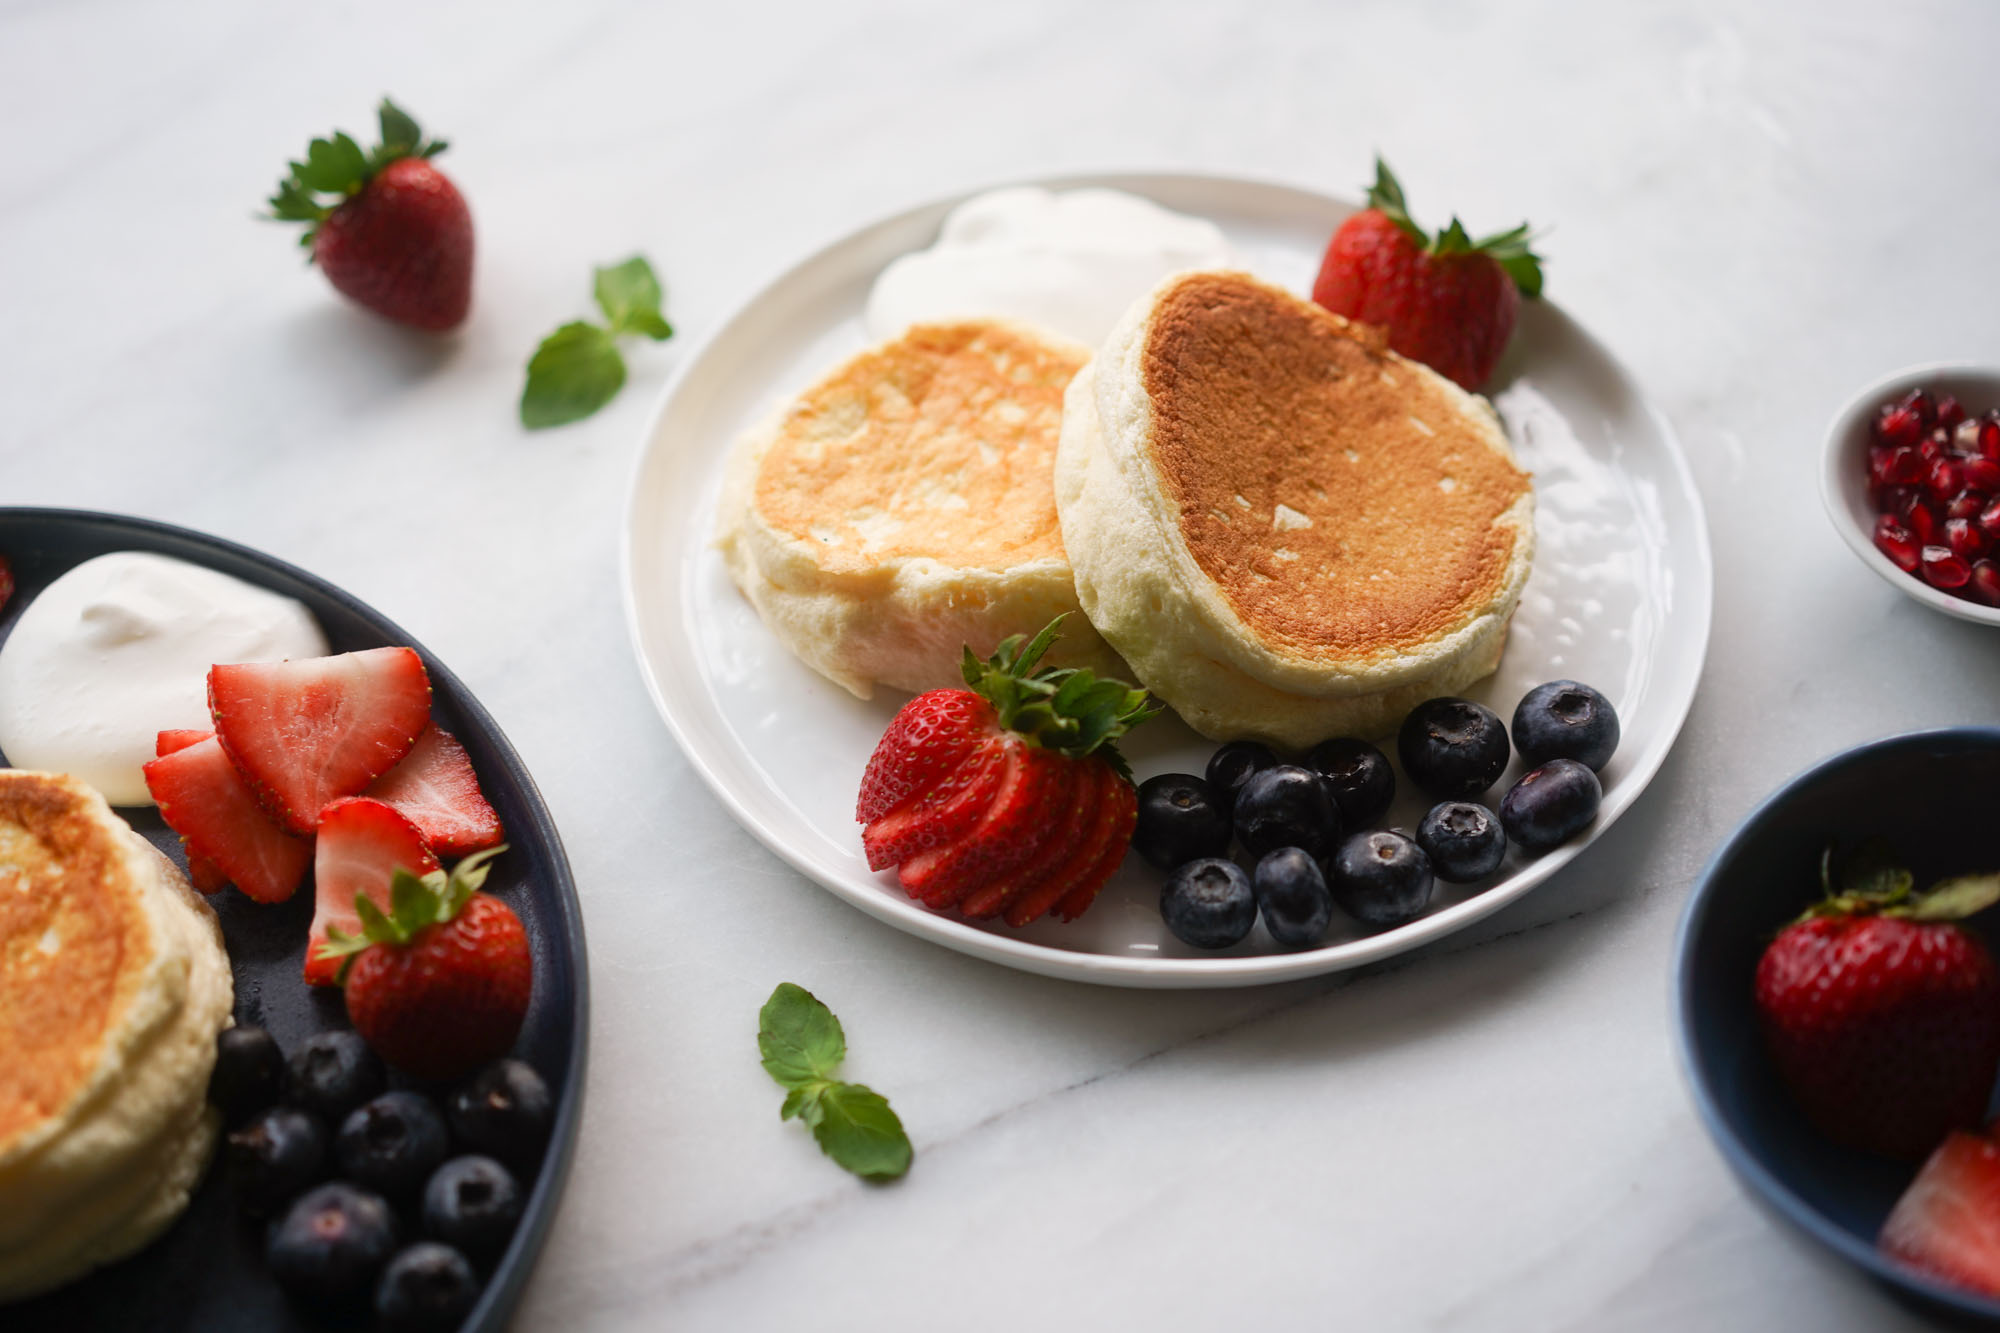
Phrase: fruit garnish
(1934,480)
(1880,1011)
(1008,796)
(435,788)
(362,843)
(386,227)
(439,983)
(308,731)
(203,873)
(802,1047)
(578,368)
(1947,1223)
(203,798)
(1448,300)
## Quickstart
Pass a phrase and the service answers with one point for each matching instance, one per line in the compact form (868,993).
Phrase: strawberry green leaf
(1955,899)
(400,133)
(376,926)
(332,166)
(1061,708)
(799,1038)
(1386,194)
(858,1131)
(575,371)
(629,295)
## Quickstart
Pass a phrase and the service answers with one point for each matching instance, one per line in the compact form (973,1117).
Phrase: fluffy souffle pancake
(113,985)
(1288,531)
(903,507)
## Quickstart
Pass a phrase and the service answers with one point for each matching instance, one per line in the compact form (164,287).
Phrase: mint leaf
(799,1038)
(803,1103)
(630,297)
(574,372)
(858,1131)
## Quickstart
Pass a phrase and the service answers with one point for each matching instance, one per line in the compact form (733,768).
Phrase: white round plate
(1619,598)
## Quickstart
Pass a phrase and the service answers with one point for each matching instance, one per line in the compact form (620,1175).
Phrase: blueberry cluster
(1309,833)
(347,1169)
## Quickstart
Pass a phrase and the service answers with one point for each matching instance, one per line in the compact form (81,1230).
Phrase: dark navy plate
(207,1272)
(1932,795)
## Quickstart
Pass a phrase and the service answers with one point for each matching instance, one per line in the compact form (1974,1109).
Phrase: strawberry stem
(1510,249)
(335,170)
(1065,709)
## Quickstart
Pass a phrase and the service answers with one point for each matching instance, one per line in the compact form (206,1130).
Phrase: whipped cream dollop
(118,650)
(1070,262)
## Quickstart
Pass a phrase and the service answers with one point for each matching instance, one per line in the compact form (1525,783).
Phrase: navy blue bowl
(1932,795)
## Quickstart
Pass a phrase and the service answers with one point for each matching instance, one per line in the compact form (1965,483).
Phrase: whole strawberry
(1448,301)
(1007,798)
(1882,1013)
(439,984)
(386,227)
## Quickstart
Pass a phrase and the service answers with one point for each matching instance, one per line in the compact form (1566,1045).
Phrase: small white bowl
(1843,482)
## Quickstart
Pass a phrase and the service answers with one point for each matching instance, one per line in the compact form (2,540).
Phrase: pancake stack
(1288,531)
(113,985)
(902,508)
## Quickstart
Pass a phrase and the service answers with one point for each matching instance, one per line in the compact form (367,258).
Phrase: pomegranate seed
(1903,467)
(1982,475)
(1897,542)
(1932,448)
(1989,437)
(1946,479)
(1965,439)
(1923,520)
(1948,412)
(1965,539)
(1989,520)
(1920,402)
(1967,504)
(1897,500)
(1984,585)
(1898,426)
(1944,570)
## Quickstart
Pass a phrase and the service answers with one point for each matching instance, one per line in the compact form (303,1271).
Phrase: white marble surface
(1758,207)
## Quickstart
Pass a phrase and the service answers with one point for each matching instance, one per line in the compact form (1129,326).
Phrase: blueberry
(473,1203)
(1287,806)
(1463,841)
(334,1072)
(1179,821)
(1362,781)
(1234,764)
(1292,895)
(1452,749)
(393,1143)
(274,1157)
(1550,805)
(504,1111)
(426,1288)
(328,1248)
(1209,903)
(249,1073)
(1380,879)
(1565,720)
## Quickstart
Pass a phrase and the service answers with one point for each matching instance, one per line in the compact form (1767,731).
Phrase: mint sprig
(335,169)
(578,368)
(802,1047)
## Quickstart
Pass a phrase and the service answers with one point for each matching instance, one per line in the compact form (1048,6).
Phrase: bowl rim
(1840,451)
(1748,1167)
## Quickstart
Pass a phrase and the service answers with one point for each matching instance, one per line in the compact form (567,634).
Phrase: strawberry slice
(945,813)
(202,798)
(1947,1223)
(309,731)
(1013,829)
(203,873)
(929,738)
(361,844)
(1089,851)
(1068,816)
(435,789)
(1078,900)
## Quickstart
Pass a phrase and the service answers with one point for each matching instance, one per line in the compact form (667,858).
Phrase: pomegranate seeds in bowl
(1932,477)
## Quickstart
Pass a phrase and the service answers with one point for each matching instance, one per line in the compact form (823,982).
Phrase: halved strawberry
(1090,851)
(362,843)
(1078,900)
(929,738)
(939,816)
(203,873)
(311,730)
(1947,1223)
(202,798)
(435,789)
(1012,830)
(1067,819)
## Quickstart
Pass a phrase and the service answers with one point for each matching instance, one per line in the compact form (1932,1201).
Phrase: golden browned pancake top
(941,443)
(1338,497)
(73,940)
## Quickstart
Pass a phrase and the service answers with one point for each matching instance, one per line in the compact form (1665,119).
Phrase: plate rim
(502,1293)
(1127,970)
